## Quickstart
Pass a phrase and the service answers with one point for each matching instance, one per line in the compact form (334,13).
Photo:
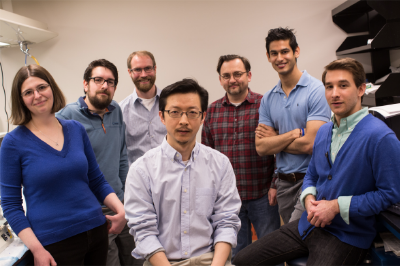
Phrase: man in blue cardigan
(352,176)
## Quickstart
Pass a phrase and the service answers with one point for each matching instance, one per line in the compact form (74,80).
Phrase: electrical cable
(5,97)
(26,55)
(26,52)
(34,58)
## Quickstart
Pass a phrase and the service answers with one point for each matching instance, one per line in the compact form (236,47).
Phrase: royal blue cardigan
(62,188)
(367,167)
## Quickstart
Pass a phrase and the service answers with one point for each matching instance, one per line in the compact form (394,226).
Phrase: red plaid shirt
(230,130)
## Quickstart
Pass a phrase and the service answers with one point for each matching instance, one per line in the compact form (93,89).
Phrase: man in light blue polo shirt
(290,116)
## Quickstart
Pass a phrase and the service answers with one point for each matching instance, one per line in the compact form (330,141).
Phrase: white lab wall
(186,37)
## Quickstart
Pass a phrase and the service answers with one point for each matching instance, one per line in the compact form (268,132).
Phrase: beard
(236,91)
(100,103)
(147,87)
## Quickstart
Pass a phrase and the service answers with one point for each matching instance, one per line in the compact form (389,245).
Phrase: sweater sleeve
(386,168)
(123,161)
(97,183)
(11,185)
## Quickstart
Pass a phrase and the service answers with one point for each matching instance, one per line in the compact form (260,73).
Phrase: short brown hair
(349,64)
(230,57)
(100,63)
(140,53)
(20,114)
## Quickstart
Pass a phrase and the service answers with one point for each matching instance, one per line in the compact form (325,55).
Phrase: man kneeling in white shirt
(181,200)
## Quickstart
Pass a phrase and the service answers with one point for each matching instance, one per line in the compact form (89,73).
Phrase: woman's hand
(41,255)
(118,223)
(43,258)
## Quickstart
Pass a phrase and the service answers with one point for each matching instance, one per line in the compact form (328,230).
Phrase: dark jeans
(264,217)
(87,248)
(321,247)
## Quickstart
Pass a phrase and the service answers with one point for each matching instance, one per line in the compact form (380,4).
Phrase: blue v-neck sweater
(367,167)
(62,188)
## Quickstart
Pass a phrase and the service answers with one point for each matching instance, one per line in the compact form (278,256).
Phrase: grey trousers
(285,244)
(202,260)
(288,197)
(120,247)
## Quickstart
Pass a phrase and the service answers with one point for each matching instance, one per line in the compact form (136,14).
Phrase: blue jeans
(264,217)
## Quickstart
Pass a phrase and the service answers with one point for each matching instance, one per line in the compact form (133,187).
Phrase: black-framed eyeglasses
(178,114)
(139,70)
(40,89)
(236,75)
(100,81)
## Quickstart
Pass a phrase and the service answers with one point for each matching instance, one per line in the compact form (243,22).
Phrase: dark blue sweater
(62,188)
(367,167)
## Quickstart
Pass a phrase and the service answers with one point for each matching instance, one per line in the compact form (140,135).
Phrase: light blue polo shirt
(306,102)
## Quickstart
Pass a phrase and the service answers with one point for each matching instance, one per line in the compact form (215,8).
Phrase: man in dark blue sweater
(352,176)
(102,119)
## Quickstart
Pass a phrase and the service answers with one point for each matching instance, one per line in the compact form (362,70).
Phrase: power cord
(5,98)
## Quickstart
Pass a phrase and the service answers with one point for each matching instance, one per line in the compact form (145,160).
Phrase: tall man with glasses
(290,116)
(181,199)
(102,119)
(229,128)
(144,129)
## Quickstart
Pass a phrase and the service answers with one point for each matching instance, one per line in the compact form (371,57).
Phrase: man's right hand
(263,131)
(272,197)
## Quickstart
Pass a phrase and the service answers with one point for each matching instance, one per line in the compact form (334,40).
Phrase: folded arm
(269,142)
(304,145)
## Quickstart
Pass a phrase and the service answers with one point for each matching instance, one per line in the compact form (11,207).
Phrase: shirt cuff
(305,193)
(146,247)
(344,207)
(227,235)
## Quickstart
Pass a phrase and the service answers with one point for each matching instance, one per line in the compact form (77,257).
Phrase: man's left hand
(118,223)
(322,212)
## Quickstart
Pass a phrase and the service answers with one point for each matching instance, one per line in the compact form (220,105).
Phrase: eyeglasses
(190,114)
(100,81)
(139,70)
(40,89)
(236,75)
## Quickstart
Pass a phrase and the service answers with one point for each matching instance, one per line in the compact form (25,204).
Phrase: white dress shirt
(144,129)
(183,209)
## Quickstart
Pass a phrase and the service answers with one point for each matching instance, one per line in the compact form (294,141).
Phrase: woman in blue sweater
(55,164)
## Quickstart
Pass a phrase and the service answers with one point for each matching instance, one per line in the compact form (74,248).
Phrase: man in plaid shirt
(229,128)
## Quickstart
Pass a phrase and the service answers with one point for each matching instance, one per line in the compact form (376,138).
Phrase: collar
(83,105)
(352,120)
(173,155)
(135,96)
(251,98)
(303,82)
